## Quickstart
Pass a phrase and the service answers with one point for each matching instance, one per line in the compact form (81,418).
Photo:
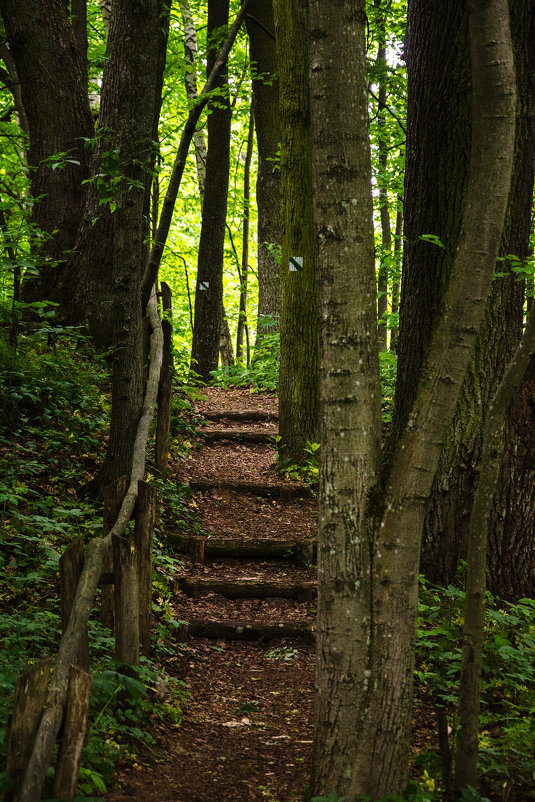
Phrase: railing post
(114,494)
(143,532)
(71,563)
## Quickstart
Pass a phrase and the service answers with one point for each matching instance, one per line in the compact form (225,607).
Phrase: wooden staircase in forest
(246,591)
(246,568)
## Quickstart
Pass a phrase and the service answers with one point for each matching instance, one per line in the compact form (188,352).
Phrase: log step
(286,491)
(199,547)
(243,414)
(237,435)
(245,630)
(249,588)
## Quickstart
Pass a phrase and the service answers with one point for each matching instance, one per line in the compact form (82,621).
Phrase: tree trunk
(130,103)
(466,758)
(209,292)
(261,30)
(434,199)
(350,420)
(370,535)
(511,553)
(298,382)
(398,257)
(53,90)
(79,28)
(226,351)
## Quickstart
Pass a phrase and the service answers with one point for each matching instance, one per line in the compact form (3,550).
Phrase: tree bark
(75,727)
(56,108)
(79,28)
(434,200)
(130,104)
(209,291)
(350,417)
(298,379)
(163,423)
(466,758)
(370,536)
(398,258)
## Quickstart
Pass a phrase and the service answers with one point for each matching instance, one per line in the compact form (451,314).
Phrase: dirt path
(247,729)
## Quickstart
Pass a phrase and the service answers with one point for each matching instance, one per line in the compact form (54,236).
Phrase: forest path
(247,729)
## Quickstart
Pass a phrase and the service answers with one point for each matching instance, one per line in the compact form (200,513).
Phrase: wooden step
(237,435)
(283,491)
(244,630)
(200,547)
(249,588)
(241,415)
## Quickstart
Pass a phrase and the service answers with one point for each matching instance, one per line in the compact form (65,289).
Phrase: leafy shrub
(39,384)
(508,677)
(263,372)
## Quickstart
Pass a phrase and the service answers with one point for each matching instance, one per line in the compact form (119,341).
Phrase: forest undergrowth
(55,407)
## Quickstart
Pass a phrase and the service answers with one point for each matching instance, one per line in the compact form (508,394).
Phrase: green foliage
(508,678)
(39,384)
(432,239)
(520,268)
(263,373)
(306,472)
(58,407)
(122,701)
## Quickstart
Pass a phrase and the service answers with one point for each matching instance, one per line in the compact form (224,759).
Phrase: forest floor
(246,732)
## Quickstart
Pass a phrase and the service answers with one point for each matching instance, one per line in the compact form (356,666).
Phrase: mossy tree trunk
(298,383)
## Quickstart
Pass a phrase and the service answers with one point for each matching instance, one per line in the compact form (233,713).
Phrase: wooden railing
(51,702)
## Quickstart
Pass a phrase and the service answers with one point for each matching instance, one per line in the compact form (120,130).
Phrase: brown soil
(247,728)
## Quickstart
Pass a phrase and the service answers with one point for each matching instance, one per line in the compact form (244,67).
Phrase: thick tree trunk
(209,292)
(53,90)
(261,30)
(130,103)
(511,550)
(511,545)
(298,382)
(434,199)
(79,28)
(349,386)
(369,539)
(466,758)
